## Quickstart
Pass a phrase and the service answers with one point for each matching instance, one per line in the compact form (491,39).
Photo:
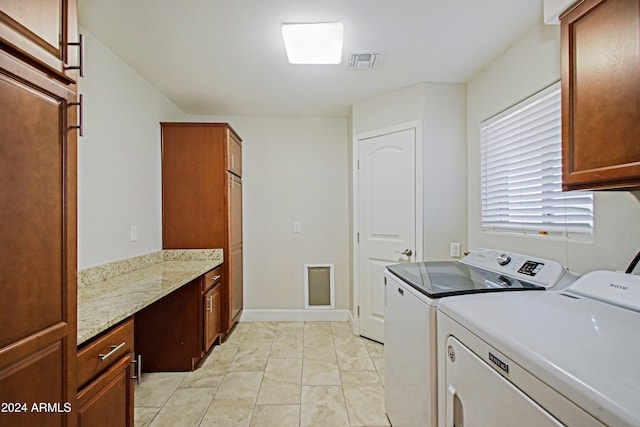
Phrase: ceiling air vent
(364,60)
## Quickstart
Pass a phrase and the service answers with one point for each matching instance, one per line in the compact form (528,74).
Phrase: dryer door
(478,396)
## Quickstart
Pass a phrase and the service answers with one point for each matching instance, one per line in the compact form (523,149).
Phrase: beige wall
(294,169)
(441,108)
(530,65)
(118,159)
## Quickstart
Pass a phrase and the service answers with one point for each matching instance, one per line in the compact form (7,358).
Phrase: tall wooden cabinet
(600,95)
(202,200)
(38,212)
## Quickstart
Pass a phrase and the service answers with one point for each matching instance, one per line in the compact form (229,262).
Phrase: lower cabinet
(212,304)
(174,333)
(105,378)
(108,401)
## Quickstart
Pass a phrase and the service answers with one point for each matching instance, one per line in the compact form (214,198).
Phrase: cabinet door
(235,283)
(37,240)
(234,268)
(600,89)
(193,186)
(234,154)
(40,33)
(211,316)
(108,401)
(235,210)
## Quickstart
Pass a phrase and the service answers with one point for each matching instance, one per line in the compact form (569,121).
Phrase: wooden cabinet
(600,95)
(211,305)
(43,34)
(105,374)
(175,332)
(234,253)
(168,333)
(37,235)
(202,200)
(108,401)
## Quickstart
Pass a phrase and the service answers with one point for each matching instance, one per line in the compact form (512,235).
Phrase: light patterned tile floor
(302,374)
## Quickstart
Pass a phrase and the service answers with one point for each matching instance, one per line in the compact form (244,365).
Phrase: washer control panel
(539,271)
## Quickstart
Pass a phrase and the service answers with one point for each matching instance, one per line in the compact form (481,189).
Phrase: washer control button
(504,259)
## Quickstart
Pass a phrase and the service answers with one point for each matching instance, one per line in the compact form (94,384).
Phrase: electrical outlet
(297,227)
(133,233)
(455,250)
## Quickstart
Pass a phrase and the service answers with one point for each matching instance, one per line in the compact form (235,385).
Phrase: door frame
(419,199)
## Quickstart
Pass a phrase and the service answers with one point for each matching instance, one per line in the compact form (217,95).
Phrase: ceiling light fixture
(319,43)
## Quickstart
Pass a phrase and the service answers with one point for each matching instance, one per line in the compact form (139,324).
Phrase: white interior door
(386,180)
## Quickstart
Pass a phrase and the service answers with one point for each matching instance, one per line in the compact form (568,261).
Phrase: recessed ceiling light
(313,43)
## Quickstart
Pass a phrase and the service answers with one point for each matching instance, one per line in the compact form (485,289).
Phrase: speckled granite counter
(111,293)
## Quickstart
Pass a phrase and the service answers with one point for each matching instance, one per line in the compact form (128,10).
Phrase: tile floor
(273,374)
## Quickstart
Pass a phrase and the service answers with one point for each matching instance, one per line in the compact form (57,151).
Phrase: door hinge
(358,237)
(358,311)
(358,164)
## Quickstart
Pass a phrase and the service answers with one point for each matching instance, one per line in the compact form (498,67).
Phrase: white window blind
(521,172)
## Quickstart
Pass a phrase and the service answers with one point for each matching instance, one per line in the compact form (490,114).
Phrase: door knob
(407,252)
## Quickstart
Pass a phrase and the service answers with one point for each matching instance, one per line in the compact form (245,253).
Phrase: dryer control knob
(504,259)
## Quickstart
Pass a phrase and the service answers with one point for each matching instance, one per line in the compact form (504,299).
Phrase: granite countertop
(104,303)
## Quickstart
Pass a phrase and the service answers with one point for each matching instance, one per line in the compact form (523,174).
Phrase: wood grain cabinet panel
(212,299)
(601,95)
(168,333)
(101,352)
(108,400)
(43,34)
(202,200)
(37,241)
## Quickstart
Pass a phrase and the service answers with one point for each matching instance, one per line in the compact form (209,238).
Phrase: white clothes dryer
(542,358)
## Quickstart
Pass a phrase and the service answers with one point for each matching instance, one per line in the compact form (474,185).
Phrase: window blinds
(521,172)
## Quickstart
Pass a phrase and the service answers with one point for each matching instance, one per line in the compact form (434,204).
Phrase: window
(521,172)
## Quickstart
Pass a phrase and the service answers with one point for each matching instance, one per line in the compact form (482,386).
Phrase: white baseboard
(296,316)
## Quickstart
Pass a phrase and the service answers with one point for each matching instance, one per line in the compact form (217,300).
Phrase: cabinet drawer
(102,352)
(212,278)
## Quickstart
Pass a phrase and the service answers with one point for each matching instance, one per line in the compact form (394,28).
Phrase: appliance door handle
(451,410)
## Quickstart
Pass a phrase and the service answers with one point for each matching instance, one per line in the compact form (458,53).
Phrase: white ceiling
(226,57)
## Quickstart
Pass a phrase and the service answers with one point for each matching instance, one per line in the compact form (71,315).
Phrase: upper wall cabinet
(601,95)
(44,34)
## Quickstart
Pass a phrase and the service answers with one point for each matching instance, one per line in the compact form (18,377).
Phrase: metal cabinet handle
(80,66)
(137,370)
(216,277)
(80,125)
(114,349)
(210,308)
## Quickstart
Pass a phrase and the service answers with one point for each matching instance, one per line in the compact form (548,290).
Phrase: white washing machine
(542,359)
(412,293)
